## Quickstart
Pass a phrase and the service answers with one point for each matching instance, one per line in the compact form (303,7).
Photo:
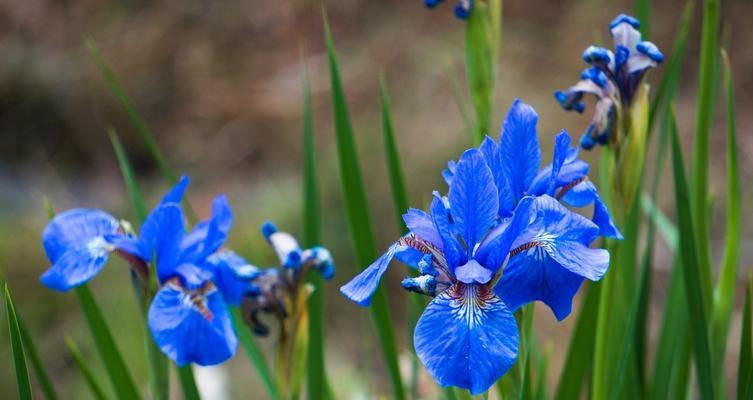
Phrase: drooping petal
(422,225)
(75,245)
(467,338)
(584,194)
(75,227)
(519,148)
(533,275)
(474,201)
(360,289)
(564,235)
(192,328)
(231,274)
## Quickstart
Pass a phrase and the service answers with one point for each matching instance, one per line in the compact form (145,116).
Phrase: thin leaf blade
(23,384)
(91,381)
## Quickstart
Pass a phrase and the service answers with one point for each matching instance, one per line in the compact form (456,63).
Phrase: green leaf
(16,343)
(643,13)
(187,383)
(254,353)
(724,296)
(357,214)
(668,84)
(744,370)
(692,273)
(138,122)
(108,351)
(479,60)
(579,361)
(36,362)
(91,381)
(317,377)
(158,367)
(457,94)
(666,228)
(706,100)
(542,370)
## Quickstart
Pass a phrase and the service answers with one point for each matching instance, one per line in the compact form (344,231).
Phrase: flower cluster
(197,278)
(462,8)
(501,210)
(613,78)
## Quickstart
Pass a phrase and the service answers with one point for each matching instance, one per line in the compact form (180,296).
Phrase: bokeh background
(219,83)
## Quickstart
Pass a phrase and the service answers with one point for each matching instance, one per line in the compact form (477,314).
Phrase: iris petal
(519,148)
(232,275)
(467,338)
(191,333)
(421,225)
(584,194)
(493,159)
(76,266)
(474,201)
(533,275)
(494,249)
(161,234)
(362,287)
(175,194)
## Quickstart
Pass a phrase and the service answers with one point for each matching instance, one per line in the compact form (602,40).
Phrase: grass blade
(23,384)
(692,273)
(479,58)
(36,362)
(672,327)
(254,353)
(579,361)
(643,13)
(134,193)
(724,295)
(187,383)
(704,114)
(108,351)
(358,216)
(668,84)
(138,122)
(91,381)
(744,370)
(317,377)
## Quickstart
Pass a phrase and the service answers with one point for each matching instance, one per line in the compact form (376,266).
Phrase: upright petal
(494,160)
(190,327)
(494,248)
(519,148)
(362,287)
(231,274)
(467,338)
(208,236)
(474,201)
(161,234)
(175,194)
(533,275)
(453,251)
(422,225)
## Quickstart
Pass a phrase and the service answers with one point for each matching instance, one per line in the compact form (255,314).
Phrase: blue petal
(467,338)
(561,147)
(208,236)
(473,272)
(565,235)
(474,201)
(494,249)
(77,265)
(519,148)
(362,287)
(410,257)
(533,275)
(449,172)
(187,333)
(232,275)
(584,194)
(422,225)
(175,194)
(284,244)
(321,260)
(75,227)
(453,251)
(494,161)
(161,234)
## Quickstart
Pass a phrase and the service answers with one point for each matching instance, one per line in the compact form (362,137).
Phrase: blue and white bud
(284,244)
(424,284)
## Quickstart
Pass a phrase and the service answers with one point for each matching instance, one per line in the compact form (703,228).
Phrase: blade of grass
(579,361)
(744,370)
(643,13)
(479,53)
(36,362)
(317,377)
(254,353)
(668,84)
(358,215)
(158,370)
(91,381)
(138,122)
(692,273)
(114,365)
(187,383)
(23,384)
(724,295)
(706,100)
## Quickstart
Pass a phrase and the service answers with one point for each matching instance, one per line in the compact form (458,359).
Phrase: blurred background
(219,84)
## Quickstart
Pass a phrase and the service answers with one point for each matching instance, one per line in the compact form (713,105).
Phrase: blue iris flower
(188,316)
(462,7)
(613,78)
(514,162)
(468,336)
